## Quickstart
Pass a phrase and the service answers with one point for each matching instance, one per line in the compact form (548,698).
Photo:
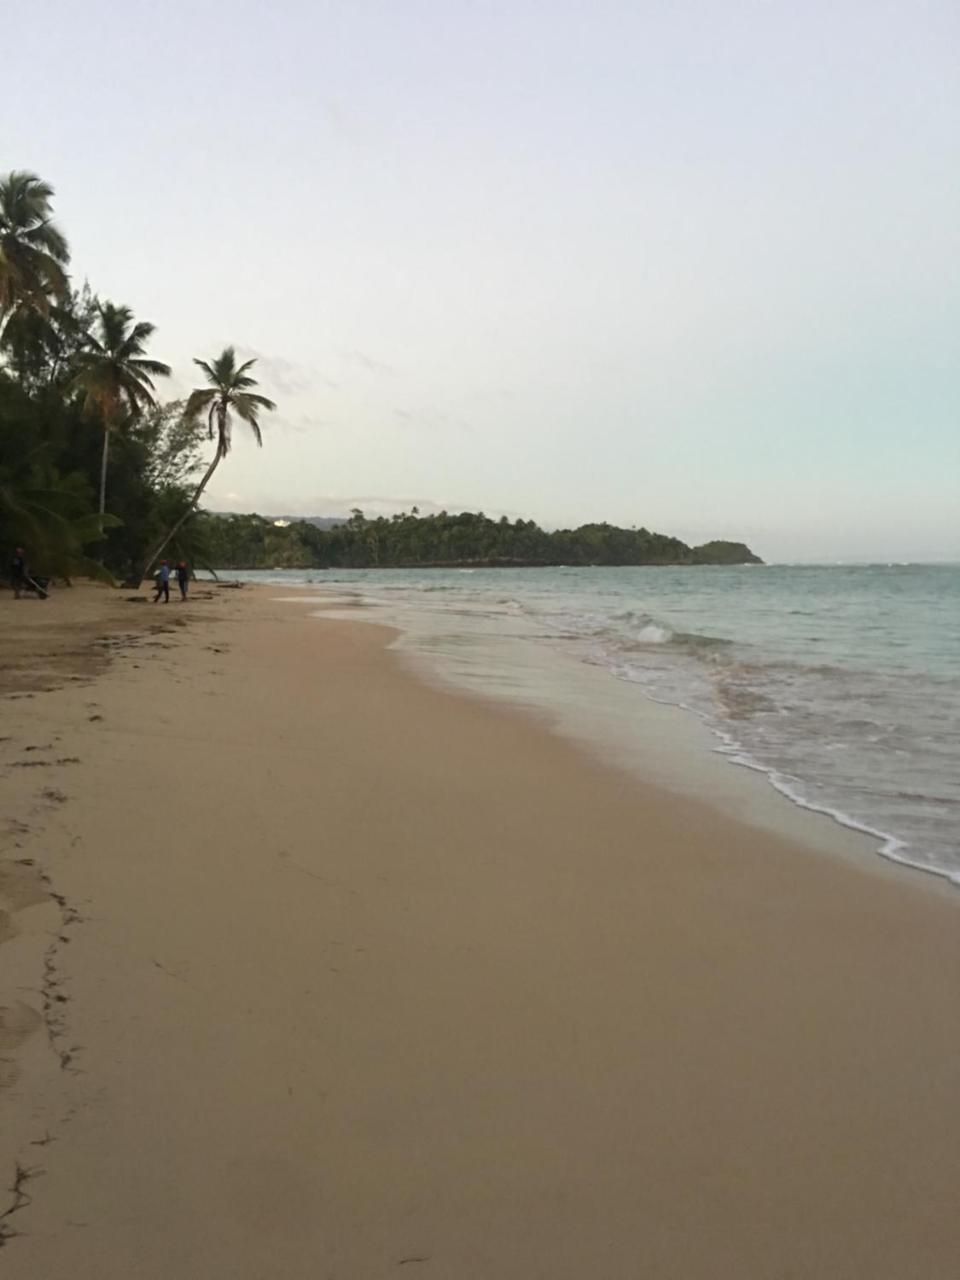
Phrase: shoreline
(899,794)
(490,563)
(366,973)
(627,713)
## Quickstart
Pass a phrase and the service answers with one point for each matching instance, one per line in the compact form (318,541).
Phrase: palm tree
(53,519)
(229,392)
(114,374)
(41,349)
(33,252)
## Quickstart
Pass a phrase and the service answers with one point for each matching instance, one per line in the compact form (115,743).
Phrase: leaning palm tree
(230,391)
(115,375)
(33,253)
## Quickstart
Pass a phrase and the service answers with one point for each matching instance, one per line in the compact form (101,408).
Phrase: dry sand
(312,970)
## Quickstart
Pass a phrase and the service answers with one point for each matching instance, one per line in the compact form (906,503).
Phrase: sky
(693,266)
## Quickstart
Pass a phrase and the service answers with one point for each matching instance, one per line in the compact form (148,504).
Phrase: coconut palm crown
(114,374)
(113,371)
(229,393)
(33,252)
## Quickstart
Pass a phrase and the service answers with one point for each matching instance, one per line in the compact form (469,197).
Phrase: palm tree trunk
(103,468)
(178,525)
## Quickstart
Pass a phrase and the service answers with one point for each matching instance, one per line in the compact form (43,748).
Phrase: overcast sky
(688,265)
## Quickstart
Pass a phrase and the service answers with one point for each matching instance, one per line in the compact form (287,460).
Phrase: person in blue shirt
(163,583)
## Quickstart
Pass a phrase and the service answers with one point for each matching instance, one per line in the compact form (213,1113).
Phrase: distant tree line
(409,540)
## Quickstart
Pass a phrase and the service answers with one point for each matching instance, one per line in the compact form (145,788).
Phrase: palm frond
(198,401)
(113,372)
(246,407)
(151,368)
(260,401)
(206,369)
(139,334)
(137,391)
(228,394)
(225,366)
(47,238)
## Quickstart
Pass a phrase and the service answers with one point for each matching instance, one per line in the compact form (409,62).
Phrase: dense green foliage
(95,475)
(51,456)
(468,538)
(33,252)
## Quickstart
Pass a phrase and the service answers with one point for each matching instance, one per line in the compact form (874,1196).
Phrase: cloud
(297,423)
(288,377)
(368,363)
(431,418)
(426,417)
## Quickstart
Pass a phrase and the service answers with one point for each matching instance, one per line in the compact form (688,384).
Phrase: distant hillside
(318,522)
(441,541)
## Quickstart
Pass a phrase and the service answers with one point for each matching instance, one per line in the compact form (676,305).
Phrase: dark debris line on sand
(21,1198)
(35,659)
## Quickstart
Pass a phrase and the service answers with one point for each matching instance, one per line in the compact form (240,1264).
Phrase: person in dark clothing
(18,571)
(183,578)
(23,579)
(163,583)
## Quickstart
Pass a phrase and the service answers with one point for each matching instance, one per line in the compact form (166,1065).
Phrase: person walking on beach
(183,578)
(18,572)
(21,579)
(163,583)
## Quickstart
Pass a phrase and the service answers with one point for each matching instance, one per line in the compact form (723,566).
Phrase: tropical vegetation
(33,252)
(114,374)
(409,540)
(97,475)
(229,392)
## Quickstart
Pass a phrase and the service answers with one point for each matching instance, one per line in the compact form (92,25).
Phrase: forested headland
(410,540)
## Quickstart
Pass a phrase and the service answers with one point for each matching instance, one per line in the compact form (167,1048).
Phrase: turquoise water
(841,683)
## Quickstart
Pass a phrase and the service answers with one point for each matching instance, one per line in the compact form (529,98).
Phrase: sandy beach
(311,969)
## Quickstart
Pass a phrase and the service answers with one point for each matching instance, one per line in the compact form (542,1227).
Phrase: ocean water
(840,683)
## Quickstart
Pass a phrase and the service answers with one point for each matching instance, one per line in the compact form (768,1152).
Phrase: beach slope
(349,976)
